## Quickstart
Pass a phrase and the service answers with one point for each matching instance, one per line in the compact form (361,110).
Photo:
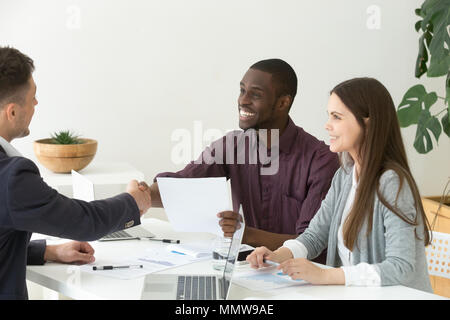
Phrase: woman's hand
(260,254)
(304,269)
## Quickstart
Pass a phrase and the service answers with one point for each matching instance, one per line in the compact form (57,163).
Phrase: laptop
(83,189)
(195,286)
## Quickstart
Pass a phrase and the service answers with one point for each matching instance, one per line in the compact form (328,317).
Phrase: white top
(362,274)
(10,150)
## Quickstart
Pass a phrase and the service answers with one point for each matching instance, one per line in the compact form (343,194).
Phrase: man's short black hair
(283,76)
(15,71)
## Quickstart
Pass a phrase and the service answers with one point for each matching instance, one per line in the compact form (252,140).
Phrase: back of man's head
(283,76)
(15,71)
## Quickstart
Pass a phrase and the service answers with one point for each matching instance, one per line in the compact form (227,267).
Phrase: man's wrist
(50,253)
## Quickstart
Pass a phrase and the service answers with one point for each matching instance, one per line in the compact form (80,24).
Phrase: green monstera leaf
(435,40)
(415,109)
(427,122)
(433,59)
(436,19)
(446,123)
(447,89)
(414,101)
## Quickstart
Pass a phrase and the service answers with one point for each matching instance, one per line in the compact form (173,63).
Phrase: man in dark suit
(28,204)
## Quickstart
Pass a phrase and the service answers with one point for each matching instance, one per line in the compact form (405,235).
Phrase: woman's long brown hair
(381,149)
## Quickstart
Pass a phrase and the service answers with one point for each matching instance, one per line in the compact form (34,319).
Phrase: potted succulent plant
(65,151)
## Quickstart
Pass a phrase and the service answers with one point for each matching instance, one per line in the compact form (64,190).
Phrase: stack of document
(152,260)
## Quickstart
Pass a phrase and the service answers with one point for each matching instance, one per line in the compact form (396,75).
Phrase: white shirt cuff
(297,248)
(362,274)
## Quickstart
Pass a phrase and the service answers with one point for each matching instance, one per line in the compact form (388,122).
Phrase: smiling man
(277,206)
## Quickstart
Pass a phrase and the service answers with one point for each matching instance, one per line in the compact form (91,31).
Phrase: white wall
(129,73)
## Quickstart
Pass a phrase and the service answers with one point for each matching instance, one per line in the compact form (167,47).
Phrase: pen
(162,240)
(178,252)
(116,267)
(272,263)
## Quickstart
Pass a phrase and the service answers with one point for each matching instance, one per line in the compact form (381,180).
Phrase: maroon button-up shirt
(283,202)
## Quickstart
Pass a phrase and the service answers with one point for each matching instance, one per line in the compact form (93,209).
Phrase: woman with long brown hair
(372,219)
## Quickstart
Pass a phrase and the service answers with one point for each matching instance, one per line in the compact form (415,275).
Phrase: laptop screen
(233,253)
(83,188)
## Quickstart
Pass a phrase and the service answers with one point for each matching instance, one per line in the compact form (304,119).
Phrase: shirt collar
(9,149)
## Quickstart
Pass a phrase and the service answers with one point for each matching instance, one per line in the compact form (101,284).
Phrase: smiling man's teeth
(245,114)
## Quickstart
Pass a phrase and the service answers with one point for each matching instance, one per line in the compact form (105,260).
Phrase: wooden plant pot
(63,158)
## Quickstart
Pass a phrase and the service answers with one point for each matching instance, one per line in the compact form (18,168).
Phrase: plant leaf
(414,101)
(438,14)
(422,141)
(446,124)
(439,66)
(418,12)
(418,25)
(447,89)
(422,58)
(65,137)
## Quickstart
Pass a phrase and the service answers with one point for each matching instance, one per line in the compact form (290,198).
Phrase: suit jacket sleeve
(33,206)
(35,252)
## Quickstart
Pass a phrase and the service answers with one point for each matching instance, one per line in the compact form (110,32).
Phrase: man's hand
(230,222)
(70,252)
(140,194)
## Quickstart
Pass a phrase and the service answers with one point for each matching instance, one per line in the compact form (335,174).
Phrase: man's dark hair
(283,76)
(15,71)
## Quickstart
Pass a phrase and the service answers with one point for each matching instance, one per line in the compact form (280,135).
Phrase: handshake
(140,191)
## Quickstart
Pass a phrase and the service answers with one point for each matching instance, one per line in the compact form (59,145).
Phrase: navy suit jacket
(28,204)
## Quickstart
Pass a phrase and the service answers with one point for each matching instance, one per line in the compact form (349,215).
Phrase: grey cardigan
(392,246)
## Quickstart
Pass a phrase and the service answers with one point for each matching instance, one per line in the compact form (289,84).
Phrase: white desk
(68,280)
(97,172)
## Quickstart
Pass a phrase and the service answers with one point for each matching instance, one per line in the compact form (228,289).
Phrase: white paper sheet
(83,188)
(196,249)
(152,260)
(265,279)
(192,204)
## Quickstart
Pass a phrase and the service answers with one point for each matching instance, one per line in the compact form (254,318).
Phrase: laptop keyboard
(196,288)
(135,233)
(117,234)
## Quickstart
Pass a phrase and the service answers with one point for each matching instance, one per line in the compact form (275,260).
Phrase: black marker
(117,267)
(162,240)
